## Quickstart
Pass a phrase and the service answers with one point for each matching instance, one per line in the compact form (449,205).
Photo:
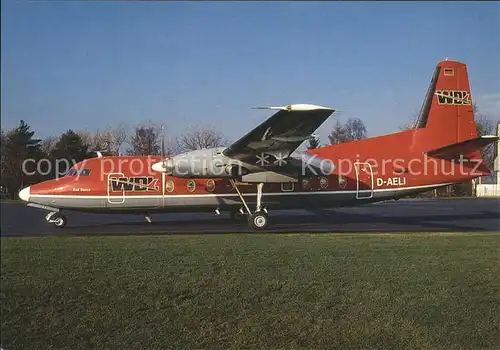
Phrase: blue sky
(88,65)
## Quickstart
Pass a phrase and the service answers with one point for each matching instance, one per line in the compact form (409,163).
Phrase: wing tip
(298,107)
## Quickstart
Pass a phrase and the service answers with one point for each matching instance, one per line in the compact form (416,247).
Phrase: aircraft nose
(24,194)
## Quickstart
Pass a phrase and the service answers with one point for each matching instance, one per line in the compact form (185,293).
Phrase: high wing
(282,133)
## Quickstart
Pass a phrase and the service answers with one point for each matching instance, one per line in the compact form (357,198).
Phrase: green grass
(253,291)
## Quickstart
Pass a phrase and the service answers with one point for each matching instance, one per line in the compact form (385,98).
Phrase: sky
(90,65)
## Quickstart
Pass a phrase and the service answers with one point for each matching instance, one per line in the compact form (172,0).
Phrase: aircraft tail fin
(447,111)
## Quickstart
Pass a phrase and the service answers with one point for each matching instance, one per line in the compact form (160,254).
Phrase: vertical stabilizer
(447,111)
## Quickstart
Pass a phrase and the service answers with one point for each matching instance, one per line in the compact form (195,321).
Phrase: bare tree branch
(199,137)
(146,140)
(118,135)
(486,126)
(354,129)
(48,144)
(412,120)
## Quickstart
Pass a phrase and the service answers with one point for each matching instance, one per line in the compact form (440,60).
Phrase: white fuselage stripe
(205,195)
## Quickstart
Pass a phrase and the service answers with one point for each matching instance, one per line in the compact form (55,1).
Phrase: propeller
(164,165)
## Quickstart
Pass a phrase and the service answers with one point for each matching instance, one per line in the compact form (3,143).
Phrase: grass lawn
(252,290)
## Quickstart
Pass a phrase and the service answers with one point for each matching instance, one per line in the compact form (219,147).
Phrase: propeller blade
(163,147)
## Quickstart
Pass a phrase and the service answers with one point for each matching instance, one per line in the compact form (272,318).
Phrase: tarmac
(405,215)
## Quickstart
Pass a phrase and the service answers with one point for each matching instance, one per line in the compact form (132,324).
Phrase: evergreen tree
(3,160)
(20,155)
(353,130)
(68,151)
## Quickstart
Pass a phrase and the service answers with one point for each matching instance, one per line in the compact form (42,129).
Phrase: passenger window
(191,186)
(210,186)
(323,182)
(306,184)
(169,186)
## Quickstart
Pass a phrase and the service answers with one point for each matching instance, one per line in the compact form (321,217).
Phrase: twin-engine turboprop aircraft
(263,170)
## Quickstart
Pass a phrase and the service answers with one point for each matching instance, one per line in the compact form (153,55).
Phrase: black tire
(59,221)
(258,220)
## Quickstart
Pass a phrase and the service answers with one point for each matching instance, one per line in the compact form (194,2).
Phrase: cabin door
(364,180)
(115,190)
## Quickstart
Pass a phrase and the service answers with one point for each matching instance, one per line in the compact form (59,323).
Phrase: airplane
(264,170)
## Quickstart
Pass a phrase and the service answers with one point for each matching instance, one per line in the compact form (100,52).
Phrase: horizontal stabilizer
(462,148)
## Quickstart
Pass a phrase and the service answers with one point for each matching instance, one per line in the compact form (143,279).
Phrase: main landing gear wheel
(59,220)
(258,220)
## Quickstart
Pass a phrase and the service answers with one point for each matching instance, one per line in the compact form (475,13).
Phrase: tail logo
(453,98)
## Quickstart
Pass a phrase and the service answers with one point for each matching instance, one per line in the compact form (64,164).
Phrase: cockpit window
(74,172)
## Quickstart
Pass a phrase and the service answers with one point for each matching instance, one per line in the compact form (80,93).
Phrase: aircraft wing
(280,134)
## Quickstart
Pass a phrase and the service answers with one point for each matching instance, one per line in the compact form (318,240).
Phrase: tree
(337,135)
(485,126)
(146,141)
(69,150)
(19,146)
(313,142)
(48,144)
(353,130)
(410,124)
(199,137)
(109,140)
(3,156)
(93,140)
(118,135)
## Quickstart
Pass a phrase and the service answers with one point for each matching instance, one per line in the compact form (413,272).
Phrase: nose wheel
(60,221)
(56,219)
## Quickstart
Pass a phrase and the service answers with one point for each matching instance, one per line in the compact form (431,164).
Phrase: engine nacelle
(206,163)
(211,163)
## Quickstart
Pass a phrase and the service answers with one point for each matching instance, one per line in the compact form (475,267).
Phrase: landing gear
(258,219)
(60,221)
(56,219)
